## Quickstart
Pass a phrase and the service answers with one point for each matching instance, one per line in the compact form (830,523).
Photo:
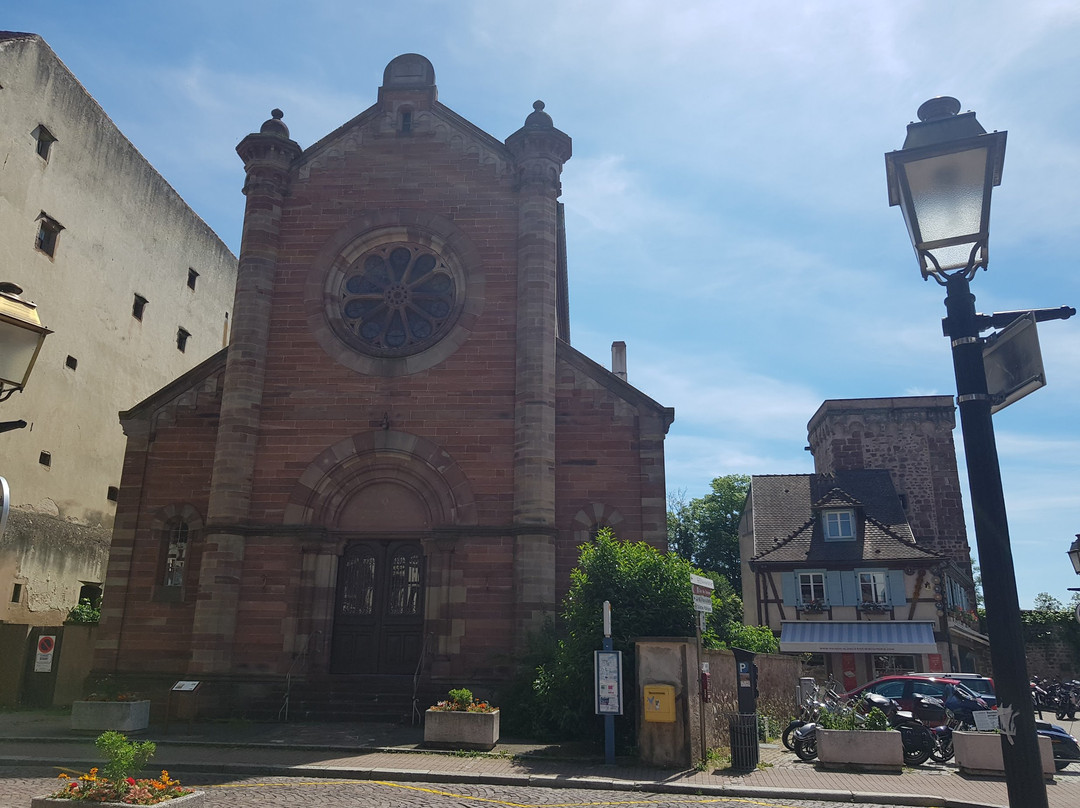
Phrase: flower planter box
(860,749)
(193,800)
(100,716)
(980,753)
(454,729)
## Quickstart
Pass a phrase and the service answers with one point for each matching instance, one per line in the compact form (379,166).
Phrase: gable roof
(787,528)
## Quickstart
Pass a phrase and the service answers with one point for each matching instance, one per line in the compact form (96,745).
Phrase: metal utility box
(658,703)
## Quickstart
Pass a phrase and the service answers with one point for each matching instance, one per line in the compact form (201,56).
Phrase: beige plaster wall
(126,232)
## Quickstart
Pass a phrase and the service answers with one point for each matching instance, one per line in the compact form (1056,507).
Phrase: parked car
(980,685)
(904,687)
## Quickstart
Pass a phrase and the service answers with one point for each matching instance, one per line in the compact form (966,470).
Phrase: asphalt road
(17,786)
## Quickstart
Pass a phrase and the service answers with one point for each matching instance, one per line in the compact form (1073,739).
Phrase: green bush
(85,613)
(125,758)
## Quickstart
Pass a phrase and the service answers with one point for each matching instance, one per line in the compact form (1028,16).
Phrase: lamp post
(942,178)
(21,337)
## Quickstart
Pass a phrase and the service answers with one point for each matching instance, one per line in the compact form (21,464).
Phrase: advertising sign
(607,666)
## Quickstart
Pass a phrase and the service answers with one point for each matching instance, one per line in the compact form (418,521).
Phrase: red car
(903,688)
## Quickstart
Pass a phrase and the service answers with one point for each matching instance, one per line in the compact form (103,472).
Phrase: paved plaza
(329,765)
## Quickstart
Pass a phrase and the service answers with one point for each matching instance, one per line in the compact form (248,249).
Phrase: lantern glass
(1074,555)
(948,205)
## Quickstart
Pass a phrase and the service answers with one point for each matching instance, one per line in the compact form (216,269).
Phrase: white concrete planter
(860,749)
(454,729)
(192,800)
(100,716)
(980,753)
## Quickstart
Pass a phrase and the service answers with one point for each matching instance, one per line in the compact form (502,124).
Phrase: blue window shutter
(833,588)
(897,597)
(787,588)
(851,588)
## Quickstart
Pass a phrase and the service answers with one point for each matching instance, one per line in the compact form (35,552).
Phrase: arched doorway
(378,613)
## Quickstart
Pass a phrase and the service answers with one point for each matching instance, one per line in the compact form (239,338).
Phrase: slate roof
(787,528)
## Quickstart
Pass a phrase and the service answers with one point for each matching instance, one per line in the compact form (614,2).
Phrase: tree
(650,596)
(705,530)
(1045,602)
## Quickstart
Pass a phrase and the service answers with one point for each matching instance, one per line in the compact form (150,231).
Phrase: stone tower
(912,437)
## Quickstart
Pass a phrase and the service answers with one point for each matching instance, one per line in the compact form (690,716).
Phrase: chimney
(618,359)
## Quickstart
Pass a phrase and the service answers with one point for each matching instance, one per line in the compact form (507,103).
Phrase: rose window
(397,300)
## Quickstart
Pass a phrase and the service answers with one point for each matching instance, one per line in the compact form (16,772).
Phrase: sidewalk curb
(540,780)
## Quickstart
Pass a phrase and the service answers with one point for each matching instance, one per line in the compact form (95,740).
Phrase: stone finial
(538,119)
(275,126)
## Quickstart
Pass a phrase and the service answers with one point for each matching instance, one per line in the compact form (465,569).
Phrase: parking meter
(746,680)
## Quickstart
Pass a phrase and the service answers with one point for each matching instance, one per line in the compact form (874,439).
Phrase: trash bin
(745,752)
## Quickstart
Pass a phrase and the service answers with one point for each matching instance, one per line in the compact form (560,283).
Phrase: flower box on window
(873,606)
(814,606)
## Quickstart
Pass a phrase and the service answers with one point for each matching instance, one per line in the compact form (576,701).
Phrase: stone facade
(389,470)
(124,235)
(912,437)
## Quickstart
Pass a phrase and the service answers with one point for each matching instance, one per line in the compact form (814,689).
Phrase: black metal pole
(1019,742)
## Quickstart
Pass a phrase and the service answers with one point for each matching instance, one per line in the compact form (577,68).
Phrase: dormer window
(839,525)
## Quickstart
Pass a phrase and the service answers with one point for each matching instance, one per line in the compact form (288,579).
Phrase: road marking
(667,798)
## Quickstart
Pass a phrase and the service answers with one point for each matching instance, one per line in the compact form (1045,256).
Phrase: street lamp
(21,337)
(1074,554)
(943,178)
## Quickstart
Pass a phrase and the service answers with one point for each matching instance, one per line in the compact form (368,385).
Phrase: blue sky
(726,203)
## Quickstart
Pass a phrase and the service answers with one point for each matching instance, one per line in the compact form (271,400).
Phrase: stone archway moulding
(416,464)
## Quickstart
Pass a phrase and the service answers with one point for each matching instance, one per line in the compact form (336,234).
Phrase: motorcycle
(917,739)
(958,710)
(1068,700)
(809,711)
(1066,748)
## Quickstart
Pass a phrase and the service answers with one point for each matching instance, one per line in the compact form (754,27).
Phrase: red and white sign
(45,647)
(702,589)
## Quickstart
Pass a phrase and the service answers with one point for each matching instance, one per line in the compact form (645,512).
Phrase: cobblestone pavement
(17,786)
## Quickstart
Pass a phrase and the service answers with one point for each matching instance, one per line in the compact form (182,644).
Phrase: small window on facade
(839,525)
(177,535)
(406,122)
(192,276)
(48,231)
(872,588)
(138,307)
(45,459)
(812,588)
(71,363)
(16,593)
(44,140)
(91,593)
(112,494)
(181,339)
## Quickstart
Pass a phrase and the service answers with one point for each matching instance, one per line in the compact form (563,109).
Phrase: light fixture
(21,337)
(942,179)
(1074,554)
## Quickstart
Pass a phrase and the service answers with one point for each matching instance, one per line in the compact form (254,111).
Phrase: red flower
(131,781)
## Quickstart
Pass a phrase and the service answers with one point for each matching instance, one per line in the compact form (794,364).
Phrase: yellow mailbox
(659,703)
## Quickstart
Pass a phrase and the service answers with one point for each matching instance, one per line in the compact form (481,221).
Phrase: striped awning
(834,636)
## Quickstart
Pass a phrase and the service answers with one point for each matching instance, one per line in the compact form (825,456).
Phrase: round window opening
(397,300)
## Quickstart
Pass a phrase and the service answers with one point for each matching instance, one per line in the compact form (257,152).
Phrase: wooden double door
(379,609)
